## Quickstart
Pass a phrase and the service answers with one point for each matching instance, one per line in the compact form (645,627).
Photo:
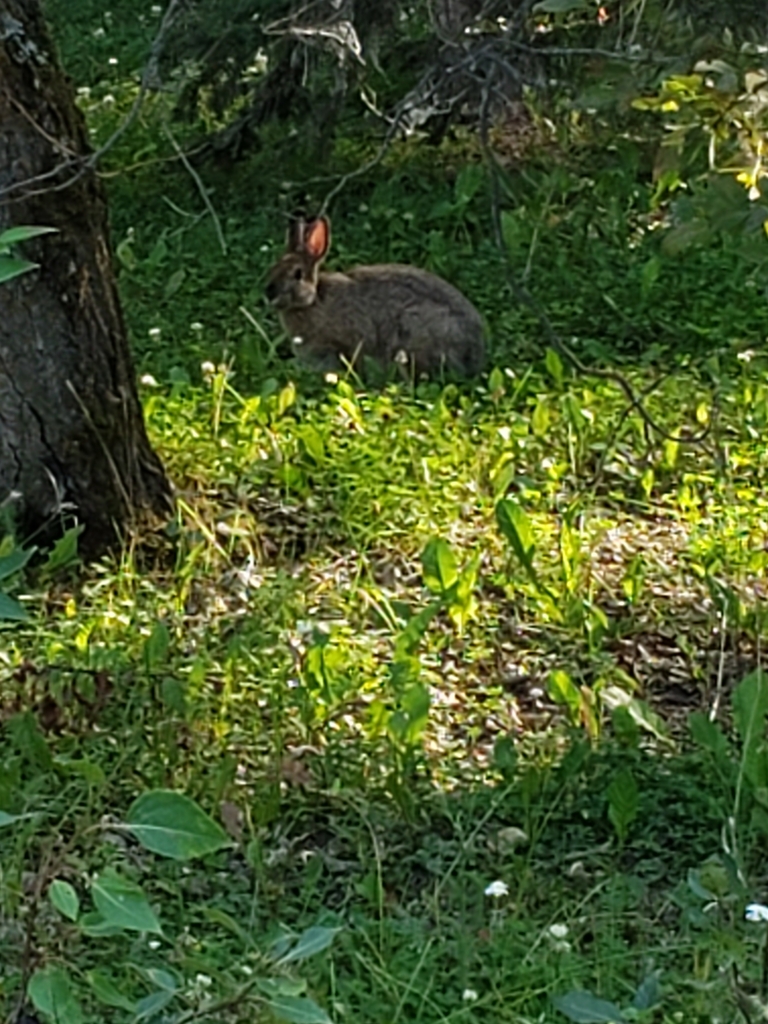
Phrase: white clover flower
(331,378)
(207,368)
(558,931)
(148,380)
(469,995)
(756,912)
(154,333)
(497,889)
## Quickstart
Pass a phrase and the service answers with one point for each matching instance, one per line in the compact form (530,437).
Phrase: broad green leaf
(10,819)
(151,1005)
(122,903)
(584,1008)
(708,735)
(439,565)
(11,267)
(410,638)
(94,925)
(50,991)
(750,706)
(313,940)
(174,696)
(540,419)
(107,992)
(220,917)
(516,527)
(280,987)
(64,898)
(648,993)
(298,1011)
(313,443)
(562,690)
(698,888)
(90,771)
(23,232)
(11,610)
(162,979)
(286,399)
(18,558)
(554,365)
(64,552)
(623,802)
(156,646)
(174,282)
(172,825)
(410,718)
(496,381)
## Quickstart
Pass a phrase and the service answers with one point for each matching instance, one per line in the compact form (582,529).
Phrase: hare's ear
(317,238)
(295,240)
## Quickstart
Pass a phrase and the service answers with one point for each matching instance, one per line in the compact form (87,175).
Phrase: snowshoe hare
(391,314)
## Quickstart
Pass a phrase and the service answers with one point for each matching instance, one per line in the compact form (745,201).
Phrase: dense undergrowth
(446,662)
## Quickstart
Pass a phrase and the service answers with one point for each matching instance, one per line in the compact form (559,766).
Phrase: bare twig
(79,165)
(200,187)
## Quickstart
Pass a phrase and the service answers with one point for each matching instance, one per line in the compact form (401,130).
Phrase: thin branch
(149,81)
(200,187)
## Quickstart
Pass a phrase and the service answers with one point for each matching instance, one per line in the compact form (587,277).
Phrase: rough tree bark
(72,436)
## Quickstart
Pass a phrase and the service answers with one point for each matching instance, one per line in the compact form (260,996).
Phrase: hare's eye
(297,273)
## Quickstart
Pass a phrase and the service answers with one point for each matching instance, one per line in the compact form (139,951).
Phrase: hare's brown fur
(389,313)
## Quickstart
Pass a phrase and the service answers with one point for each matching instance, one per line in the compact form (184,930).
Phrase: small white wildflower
(203,980)
(401,357)
(196,326)
(112,61)
(208,369)
(247,971)
(84,92)
(331,378)
(153,944)
(756,912)
(746,356)
(558,931)
(497,889)
(108,100)
(754,193)
(99,33)
(154,333)
(297,340)
(469,995)
(156,9)
(148,380)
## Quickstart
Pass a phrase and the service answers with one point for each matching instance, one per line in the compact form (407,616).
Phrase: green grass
(406,643)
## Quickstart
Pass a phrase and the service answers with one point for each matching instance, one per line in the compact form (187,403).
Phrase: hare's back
(430,320)
(403,281)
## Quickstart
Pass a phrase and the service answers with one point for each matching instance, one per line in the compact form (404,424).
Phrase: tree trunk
(72,437)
